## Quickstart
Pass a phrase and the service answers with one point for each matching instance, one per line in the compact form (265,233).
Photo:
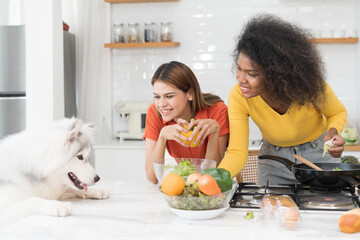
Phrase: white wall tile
(207,32)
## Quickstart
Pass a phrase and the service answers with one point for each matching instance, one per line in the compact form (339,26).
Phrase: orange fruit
(172,184)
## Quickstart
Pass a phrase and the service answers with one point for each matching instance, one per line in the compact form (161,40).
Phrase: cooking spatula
(307,162)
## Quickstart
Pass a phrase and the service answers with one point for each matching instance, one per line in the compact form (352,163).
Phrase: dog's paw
(55,208)
(96,193)
(64,209)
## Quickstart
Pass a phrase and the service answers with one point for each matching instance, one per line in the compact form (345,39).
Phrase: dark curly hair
(292,66)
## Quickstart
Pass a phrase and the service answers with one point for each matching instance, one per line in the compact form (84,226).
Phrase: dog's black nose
(96,178)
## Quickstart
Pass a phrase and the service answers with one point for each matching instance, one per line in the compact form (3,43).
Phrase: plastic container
(282,209)
(350,136)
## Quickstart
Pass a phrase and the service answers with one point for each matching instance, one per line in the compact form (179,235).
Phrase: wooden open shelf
(138,1)
(354,148)
(334,40)
(142,45)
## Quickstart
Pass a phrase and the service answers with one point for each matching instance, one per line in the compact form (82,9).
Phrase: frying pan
(348,176)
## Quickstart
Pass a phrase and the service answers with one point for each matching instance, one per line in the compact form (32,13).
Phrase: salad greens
(350,135)
(184,168)
(337,169)
(193,199)
(349,160)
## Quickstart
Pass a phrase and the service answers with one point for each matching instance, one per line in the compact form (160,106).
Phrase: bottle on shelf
(118,31)
(149,32)
(166,32)
(133,32)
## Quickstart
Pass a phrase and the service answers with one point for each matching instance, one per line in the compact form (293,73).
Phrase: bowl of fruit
(202,194)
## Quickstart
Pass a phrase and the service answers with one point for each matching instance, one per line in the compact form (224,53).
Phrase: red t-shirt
(154,124)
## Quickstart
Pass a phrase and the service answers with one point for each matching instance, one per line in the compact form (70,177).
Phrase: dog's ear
(91,125)
(74,129)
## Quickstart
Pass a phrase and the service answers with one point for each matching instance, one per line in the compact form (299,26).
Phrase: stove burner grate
(249,195)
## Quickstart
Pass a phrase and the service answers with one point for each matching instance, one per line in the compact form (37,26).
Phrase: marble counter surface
(137,211)
(140,144)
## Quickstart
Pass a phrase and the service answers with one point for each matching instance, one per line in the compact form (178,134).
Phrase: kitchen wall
(207,31)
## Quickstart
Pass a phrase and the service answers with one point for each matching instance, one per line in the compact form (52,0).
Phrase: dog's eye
(80,157)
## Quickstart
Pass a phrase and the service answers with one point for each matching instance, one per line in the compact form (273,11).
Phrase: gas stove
(249,195)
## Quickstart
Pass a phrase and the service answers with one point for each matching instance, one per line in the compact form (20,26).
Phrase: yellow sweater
(297,126)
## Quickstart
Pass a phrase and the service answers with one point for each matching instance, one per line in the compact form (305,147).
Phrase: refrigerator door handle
(12,94)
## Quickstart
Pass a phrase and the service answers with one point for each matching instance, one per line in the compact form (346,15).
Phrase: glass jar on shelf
(133,32)
(149,32)
(119,33)
(166,32)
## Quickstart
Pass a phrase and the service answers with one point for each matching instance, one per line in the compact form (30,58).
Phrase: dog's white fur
(35,167)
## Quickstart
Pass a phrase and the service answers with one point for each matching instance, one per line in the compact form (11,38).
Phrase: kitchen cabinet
(334,40)
(121,161)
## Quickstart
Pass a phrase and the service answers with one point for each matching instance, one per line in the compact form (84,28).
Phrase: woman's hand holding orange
(204,128)
(172,132)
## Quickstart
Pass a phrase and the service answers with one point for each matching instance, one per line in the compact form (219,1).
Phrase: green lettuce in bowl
(181,166)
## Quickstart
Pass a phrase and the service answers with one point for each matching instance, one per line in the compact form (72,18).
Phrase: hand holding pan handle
(307,162)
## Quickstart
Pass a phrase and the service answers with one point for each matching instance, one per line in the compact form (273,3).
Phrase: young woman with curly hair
(178,99)
(281,87)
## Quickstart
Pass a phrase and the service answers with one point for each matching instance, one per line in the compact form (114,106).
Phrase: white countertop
(138,144)
(117,144)
(137,211)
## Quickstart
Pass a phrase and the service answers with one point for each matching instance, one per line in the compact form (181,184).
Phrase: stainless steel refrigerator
(70,82)
(12,80)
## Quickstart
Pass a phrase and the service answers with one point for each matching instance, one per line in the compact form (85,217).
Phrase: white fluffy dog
(38,169)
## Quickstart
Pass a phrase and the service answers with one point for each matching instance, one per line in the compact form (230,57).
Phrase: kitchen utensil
(329,178)
(307,162)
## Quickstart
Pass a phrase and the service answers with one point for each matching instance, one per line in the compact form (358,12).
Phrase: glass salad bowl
(202,202)
(168,165)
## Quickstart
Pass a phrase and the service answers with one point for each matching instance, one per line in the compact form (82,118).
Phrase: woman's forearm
(154,154)
(213,148)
